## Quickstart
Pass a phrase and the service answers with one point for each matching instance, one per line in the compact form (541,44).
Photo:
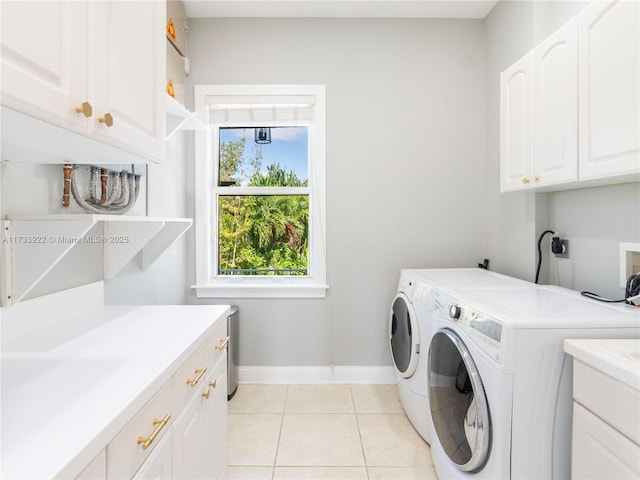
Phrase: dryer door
(459,407)
(404,336)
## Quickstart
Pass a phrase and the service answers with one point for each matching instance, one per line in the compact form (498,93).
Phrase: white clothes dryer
(407,333)
(410,330)
(500,384)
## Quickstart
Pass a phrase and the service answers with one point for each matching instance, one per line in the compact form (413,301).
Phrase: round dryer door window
(404,336)
(458,403)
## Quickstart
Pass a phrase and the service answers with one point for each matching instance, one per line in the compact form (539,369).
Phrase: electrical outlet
(629,261)
(565,249)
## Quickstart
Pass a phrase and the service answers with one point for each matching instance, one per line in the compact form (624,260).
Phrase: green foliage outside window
(260,234)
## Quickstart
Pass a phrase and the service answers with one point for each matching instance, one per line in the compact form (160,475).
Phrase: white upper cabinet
(516,124)
(555,146)
(94,68)
(44,60)
(126,61)
(570,109)
(539,115)
(609,89)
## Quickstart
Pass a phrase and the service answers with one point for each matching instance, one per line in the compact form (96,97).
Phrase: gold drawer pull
(224,341)
(213,384)
(159,426)
(525,180)
(107,119)
(85,109)
(200,372)
(206,394)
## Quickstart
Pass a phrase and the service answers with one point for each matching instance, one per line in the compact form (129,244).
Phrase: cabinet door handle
(525,180)
(107,119)
(200,372)
(536,179)
(206,394)
(224,341)
(213,384)
(159,426)
(85,109)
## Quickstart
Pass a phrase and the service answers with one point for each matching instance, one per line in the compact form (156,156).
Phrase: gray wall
(165,281)
(412,174)
(406,171)
(594,220)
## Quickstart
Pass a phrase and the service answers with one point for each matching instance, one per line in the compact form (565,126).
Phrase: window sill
(260,291)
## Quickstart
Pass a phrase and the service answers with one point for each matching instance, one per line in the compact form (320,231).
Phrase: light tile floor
(323,432)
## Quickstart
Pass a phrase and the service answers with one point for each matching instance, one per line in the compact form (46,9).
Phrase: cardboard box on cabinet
(175,73)
(176,50)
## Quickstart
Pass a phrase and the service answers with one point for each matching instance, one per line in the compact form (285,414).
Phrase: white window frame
(208,283)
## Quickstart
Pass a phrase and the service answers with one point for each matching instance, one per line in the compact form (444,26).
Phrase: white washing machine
(500,385)
(410,330)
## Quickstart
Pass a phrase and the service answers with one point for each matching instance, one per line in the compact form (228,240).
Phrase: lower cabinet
(131,447)
(96,470)
(215,421)
(606,419)
(187,447)
(159,462)
(182,431)
(199,442)
(600,451)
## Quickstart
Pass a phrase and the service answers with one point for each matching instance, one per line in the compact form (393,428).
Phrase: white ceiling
(340,8)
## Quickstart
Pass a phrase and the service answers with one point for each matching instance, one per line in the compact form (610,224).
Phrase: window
(260,191)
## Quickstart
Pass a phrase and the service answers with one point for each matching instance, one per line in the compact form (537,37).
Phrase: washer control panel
(424,295)
(483,329)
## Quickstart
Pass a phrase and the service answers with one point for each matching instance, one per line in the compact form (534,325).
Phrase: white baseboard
(317,375)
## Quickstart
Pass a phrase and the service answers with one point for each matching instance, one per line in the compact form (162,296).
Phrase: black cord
(595,296)
(540,252)
(632,289)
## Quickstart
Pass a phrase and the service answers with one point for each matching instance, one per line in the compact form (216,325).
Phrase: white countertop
(618,358)
(68,389)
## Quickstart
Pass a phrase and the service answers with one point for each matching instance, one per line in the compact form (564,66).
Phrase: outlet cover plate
(565,250)
(627,253)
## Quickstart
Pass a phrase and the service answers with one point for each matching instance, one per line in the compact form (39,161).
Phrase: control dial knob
(455,311)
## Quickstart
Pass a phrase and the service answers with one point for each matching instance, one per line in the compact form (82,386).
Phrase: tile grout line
(284,411)
(355,413)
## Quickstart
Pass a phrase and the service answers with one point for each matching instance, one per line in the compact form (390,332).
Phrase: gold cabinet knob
(107,119)
(85,109)
(525,180)
(536,179)
(213,384)
(206,394)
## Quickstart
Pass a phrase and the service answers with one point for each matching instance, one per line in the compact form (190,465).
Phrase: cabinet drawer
(609,399)
(217,344)
(189,378)
(599,451)
(158,464)
(96,470)
(125,453)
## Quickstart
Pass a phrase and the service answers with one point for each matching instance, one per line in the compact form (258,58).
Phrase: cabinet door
(216,423)
(188,440)
(127,71)
(158,464)
(555,147)
(599,451)
(609,99)
(44,60)
(516,125)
